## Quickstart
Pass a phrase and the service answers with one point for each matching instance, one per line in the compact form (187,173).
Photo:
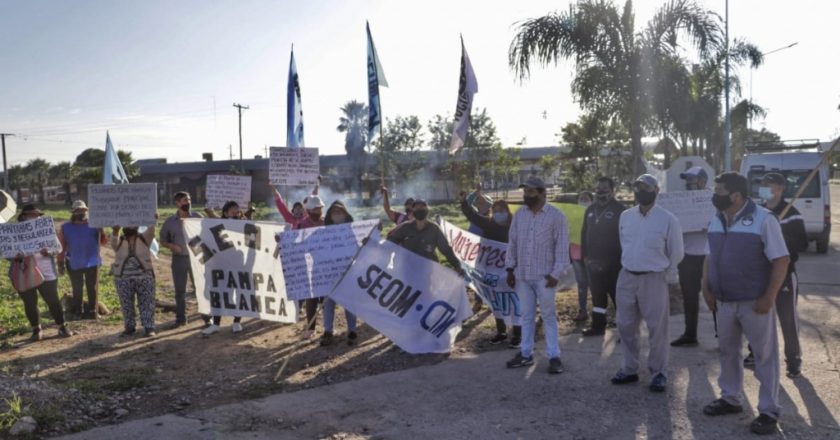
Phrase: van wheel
(822,245)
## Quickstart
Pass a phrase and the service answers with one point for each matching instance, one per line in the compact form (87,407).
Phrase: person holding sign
(314,208)
(134,276)
(337,214)
(397,217)
(42,277)
(537,257)
(424,238)
(296,215)
(80,252)
(172,238)
(230,210)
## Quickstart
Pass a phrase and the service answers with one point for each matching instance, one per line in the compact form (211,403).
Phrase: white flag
(467,87)
(294,108)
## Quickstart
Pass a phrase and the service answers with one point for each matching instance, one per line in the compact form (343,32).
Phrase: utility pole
(230,148)
(240,107)
(5,170)
(727,143)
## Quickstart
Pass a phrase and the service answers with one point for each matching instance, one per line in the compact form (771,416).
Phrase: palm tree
(612,59)
(353,122)
(37,173)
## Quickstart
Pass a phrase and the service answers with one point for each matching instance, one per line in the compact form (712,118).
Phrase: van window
(794,178)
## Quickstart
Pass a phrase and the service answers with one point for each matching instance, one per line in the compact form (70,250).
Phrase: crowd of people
(743,266)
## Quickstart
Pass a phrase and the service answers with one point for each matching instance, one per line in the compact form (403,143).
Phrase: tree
(89,164)
(353,122)
(611,57)
(479,150)
(399,149)
(505,166)
(36,173)
(548,165)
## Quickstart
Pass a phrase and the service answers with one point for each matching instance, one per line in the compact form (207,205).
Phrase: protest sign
(222,188)
(484,262)
(314,258)
(294,166)
(693,209)
(130,204)
(414,301)
(28,237)
(235,269)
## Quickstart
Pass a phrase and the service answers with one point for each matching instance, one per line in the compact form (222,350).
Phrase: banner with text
(484,261)
(236,270)
(414,301)
(693,209)
(130,204)
(222,188)
(293,166)
(314,258)
(28,237)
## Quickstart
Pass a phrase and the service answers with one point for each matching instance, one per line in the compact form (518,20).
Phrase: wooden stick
(809,178)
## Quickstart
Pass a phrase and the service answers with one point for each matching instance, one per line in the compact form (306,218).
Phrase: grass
(137,377)
(15,411)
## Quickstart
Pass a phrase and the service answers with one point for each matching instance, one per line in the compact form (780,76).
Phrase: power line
(240,107)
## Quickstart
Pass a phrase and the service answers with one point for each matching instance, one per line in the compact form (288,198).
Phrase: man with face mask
(601,251)
(172,238)
(746,268)
(537,257)
(691,267)
(424,237)
(652,247)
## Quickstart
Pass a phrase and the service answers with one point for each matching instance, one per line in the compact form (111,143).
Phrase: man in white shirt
(537,257)
(652,248)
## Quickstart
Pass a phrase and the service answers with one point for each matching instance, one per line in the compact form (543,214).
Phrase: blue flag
(376,77)
(113,171)
(294,109)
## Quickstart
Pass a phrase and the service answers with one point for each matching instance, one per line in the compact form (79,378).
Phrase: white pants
(644,297)
(530,294)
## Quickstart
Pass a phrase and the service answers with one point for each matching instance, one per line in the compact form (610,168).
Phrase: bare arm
(386,203)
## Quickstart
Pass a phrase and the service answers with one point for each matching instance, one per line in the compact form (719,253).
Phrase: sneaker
(520,361)
(351,338)
(237,327)
(326,339)
(127,332)
(581,316)
(307,334)
(65,332)
(763,425)
(749,361)
(794,369)
(498,339)
(36,336)
(621,378)
(150,333)
(515,342)
(212,328)
(721,407)
(555,366)
(685,341)
(657,385)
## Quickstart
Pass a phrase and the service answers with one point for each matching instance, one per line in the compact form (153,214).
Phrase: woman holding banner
(337,214)
(134,276)
(229,211)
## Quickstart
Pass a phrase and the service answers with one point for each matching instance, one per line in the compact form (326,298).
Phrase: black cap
(774,178)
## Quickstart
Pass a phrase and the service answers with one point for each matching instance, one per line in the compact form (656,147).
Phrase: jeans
(81,279)
(329,317)
(181,269)
(49,292)
(531,293)
(582,278)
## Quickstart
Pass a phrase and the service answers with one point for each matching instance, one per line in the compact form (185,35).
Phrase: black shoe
(326,339)
(515,342)
(721,407)
(749,361)
(793,374)
(179,324)
(36,335)
(65,332)
(127,332)
(351,338)
(520,361)
(794,369)
(623,379)
(593,331)
(150,333)
(763,425)
(658,384)
(498,339)
(555,366)
(685,341)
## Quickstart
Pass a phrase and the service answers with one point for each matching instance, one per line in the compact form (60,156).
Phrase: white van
(795,160)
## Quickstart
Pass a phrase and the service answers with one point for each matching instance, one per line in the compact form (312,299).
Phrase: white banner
(415,302)
(131,204)
(484,261)
(28,237)
(222,188)
(293,166)
(236,270)
(693,209)
(315,258)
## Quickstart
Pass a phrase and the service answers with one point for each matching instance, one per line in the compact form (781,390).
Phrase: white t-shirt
(47,267)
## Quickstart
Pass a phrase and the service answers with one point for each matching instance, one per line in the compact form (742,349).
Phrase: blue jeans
(582,278)
(531,293)
(329,316)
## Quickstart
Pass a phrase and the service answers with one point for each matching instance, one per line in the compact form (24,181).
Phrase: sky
(163,75)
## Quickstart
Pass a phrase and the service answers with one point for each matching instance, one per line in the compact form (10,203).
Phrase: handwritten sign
(222,188)
(314,259)
(294,166)
(131,204)
(693,209)
(28,237)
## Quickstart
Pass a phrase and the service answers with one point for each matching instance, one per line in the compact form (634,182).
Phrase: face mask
(130,232)
(531,201)
(79,217)
(765,193)
(185,207)
(315,216)
(691,186)
(421,214)
(337,218)
(500,217)
(602,197)
(721,202)
(645,198)
(584,204)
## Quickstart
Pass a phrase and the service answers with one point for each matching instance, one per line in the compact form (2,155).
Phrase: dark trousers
(181,269)
(501,327)
(311,306)
(602,283)
(49,292)
(691,274)
(81,279)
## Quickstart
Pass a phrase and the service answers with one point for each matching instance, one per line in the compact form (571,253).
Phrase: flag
(113,171)
(375,77)
(294,109)
(467,87)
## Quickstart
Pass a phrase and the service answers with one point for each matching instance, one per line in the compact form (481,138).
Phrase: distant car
(795,160)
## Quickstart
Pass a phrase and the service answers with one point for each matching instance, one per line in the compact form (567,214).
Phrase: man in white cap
(652,247)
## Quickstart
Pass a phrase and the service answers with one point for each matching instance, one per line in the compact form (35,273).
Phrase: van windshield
(794,178)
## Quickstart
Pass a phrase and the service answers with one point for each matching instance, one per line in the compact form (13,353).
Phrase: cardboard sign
(693,209)
(222,188)
(294,166)
(28,237)
(130,204)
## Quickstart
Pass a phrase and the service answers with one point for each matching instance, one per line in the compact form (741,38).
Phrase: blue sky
(163,75)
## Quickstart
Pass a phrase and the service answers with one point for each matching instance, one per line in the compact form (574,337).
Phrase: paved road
(477,397)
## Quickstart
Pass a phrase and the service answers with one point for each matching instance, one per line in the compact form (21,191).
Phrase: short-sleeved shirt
(172,232)
(424,241)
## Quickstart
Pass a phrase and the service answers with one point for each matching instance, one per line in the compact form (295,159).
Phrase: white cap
(313,202)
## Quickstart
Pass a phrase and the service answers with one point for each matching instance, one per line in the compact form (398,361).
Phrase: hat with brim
(31,209)
(694,173)
(533,182)
(313,202)
(648,180)
(774,179)
(80,204)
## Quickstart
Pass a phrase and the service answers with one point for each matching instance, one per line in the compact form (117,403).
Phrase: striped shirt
(538,244)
